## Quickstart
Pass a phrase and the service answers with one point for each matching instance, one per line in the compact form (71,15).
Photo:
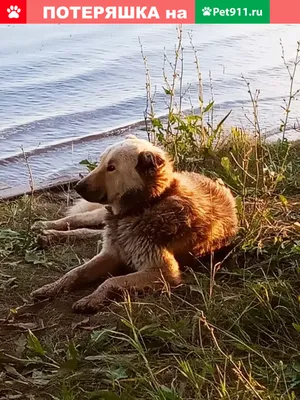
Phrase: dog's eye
(110,168)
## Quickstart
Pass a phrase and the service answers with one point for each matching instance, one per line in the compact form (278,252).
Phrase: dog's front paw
(47,238)
(65,284)
(41,225)
(89,304)
(47,291)
(44,240)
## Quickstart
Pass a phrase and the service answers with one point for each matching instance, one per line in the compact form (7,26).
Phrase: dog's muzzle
(86,192)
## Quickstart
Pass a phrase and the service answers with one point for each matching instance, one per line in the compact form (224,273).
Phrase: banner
(149,12)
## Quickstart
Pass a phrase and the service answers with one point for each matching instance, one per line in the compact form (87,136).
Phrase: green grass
(231,331)
(235,336)
(227,333)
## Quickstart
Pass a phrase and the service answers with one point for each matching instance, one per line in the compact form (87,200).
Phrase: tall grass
(252,167)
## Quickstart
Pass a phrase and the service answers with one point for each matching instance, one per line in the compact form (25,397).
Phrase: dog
(154,219)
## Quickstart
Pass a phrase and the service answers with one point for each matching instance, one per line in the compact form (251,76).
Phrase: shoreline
(62,182)
(54,185)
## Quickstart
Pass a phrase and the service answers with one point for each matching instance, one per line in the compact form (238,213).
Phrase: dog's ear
(130,136)
(150,162)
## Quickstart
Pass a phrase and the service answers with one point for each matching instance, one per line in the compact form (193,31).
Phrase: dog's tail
(81,206)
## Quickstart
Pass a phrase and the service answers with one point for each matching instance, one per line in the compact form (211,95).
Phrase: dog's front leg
(82,220)
(98,267)
(51,236)
(164,270)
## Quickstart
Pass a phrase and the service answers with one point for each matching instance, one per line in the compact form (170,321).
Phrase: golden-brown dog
(153,218)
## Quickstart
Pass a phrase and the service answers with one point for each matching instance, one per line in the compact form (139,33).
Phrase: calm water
(61,83)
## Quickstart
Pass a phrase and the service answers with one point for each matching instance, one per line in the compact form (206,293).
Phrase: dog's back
(212,208)
(213,197)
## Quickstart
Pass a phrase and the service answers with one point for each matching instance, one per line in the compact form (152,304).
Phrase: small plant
(90,165)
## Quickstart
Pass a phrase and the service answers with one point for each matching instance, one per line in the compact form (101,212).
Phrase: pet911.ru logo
(231,12)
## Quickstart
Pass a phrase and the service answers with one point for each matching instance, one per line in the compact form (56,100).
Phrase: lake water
(61,83)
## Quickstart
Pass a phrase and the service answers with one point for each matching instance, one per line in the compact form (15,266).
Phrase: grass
(230,335)
(231,331)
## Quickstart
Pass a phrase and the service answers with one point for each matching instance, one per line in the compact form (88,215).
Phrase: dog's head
(130,171)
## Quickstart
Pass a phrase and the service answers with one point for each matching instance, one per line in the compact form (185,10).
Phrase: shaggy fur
(154,220)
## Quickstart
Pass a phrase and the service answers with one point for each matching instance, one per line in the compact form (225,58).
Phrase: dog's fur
(154,218)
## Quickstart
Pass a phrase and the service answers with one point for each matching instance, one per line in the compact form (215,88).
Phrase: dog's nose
(81,187)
